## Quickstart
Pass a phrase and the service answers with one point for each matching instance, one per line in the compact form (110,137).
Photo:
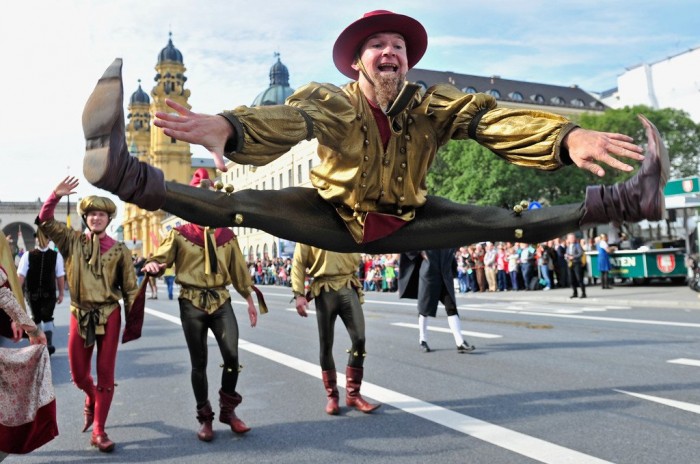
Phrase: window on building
(290,179)
(578,102)
(423,85)
(537,98)
(272,183)
(494,93)
(557,100)
(299,174)
(516,96)
(263,185)
(311,165)
(469,89)
(281,186)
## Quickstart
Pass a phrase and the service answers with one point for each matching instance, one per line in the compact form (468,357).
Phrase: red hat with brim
(351,39)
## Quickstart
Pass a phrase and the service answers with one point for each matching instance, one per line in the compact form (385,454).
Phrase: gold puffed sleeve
(264,133)
(528,138)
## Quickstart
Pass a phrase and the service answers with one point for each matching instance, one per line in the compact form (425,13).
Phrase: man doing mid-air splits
(377,138)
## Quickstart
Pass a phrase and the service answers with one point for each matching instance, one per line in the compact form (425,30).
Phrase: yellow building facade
(149,144)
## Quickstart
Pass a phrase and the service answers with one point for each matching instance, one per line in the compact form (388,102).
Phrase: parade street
(613,378)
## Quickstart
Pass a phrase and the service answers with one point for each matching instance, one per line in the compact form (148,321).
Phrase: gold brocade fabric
(357,173)
(93,289)
(197,286)
(330,270)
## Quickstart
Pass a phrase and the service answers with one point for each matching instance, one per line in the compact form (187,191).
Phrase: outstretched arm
(587,148)
(209,131)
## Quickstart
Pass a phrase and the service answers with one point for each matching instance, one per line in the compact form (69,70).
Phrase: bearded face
(383,59)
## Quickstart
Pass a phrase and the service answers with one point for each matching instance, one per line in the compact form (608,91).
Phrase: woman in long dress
(27,400)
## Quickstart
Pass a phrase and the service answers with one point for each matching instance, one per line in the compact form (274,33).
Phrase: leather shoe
(465,348)
(573,296)
(583,296)
(107,163)
(102,442)
(424,346)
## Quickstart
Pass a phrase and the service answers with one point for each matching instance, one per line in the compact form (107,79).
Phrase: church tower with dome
(172,156)
(279,88)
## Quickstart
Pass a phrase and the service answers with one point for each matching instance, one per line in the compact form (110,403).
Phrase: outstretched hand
(209,131)
(587,148)
(67,186)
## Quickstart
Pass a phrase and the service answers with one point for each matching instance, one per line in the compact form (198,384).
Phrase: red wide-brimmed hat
(351,39)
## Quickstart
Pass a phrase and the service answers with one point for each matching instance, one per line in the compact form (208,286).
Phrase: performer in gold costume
(377,138)
(100,273)
(337,292)
(207,261)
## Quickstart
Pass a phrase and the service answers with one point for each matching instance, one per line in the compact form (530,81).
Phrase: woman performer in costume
(27,400)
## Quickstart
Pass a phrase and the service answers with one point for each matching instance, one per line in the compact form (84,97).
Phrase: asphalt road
(552,380)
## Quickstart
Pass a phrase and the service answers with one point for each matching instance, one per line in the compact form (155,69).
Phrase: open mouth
(388,67)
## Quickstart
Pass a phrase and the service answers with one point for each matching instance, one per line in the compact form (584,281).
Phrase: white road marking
(525,445)
(685,361)
(673,403)
(481,308)
(576,316)
(294,310)
(444,330)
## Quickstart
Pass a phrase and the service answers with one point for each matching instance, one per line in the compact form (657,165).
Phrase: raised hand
(67,186)
(209,131)
(587,148)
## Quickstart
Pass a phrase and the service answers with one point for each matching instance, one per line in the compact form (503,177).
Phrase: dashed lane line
(443,330)
(685,362)
(665,401)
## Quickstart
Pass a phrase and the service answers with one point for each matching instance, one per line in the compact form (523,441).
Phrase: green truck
(643,265)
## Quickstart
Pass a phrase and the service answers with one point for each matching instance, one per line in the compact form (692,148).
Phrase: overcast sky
(53,52)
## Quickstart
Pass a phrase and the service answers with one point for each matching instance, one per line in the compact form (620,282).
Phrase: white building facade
(673,82)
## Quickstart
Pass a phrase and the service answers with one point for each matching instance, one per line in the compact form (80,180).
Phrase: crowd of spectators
(480,267)
(506,266)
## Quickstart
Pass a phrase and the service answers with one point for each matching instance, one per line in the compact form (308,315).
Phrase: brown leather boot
(205,416)
(88,414)
(102,442)
(353,398)
(635,199)
(330,381)
(228,404)
(108,163)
